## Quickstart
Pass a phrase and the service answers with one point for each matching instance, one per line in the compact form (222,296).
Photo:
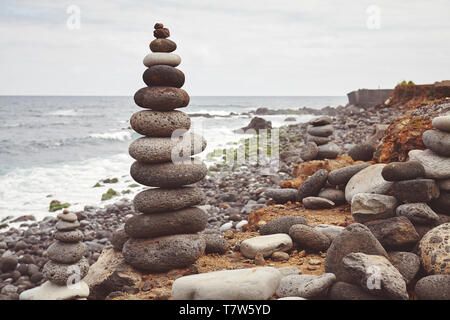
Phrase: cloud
(232,47)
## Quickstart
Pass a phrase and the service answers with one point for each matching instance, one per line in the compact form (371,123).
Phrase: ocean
(58,148)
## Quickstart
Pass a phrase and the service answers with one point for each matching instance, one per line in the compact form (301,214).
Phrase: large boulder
(355,238)
(376,275)
(242,284)
(368,180)
(434,250)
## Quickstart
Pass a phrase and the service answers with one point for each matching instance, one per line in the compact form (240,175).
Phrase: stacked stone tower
(67,266)
(162,235)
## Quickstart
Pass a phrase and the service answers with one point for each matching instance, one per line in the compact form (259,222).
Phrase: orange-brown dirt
(405,133)
(307,262)
(306,169)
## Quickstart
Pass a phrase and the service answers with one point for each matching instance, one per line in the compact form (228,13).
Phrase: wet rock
(281,225)
(355,238)
(418,190)
(394,233)
(368,180)
(434,250)
(367,207)
(266,245)
(308,237)
(388,281)
(398,171)
(243,284)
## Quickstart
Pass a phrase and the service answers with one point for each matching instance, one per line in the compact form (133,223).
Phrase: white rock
(241,224)
(242,284)
(226,226)
(368,206)
(329,230)
(50,291)
(436,166)
(368,180)
(266,245)
(169,59)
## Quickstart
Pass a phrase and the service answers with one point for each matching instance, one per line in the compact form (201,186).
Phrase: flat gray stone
(266,245)
(281,225)
(316,203)
(305,286)
(168,175)
(159,123)
(438,141)
(376,275)
(436,166)
(162,149)
(368,206)
(242,284)
(163,200)
(419,213)
(185,221)
(164,253)
(320,131)
(368,180)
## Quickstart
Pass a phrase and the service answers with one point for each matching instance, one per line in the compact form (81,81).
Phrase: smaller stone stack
(67,266)
(163,236)
(319,143)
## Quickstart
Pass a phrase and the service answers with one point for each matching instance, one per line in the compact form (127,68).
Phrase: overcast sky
(232,47)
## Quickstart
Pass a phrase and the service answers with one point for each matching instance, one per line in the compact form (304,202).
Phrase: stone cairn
(319,144)
(67,266)
(163,236)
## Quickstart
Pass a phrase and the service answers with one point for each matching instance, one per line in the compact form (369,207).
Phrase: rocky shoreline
(231,197)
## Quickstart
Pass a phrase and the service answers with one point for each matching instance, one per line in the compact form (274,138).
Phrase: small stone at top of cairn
(67,266)
(164,235)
